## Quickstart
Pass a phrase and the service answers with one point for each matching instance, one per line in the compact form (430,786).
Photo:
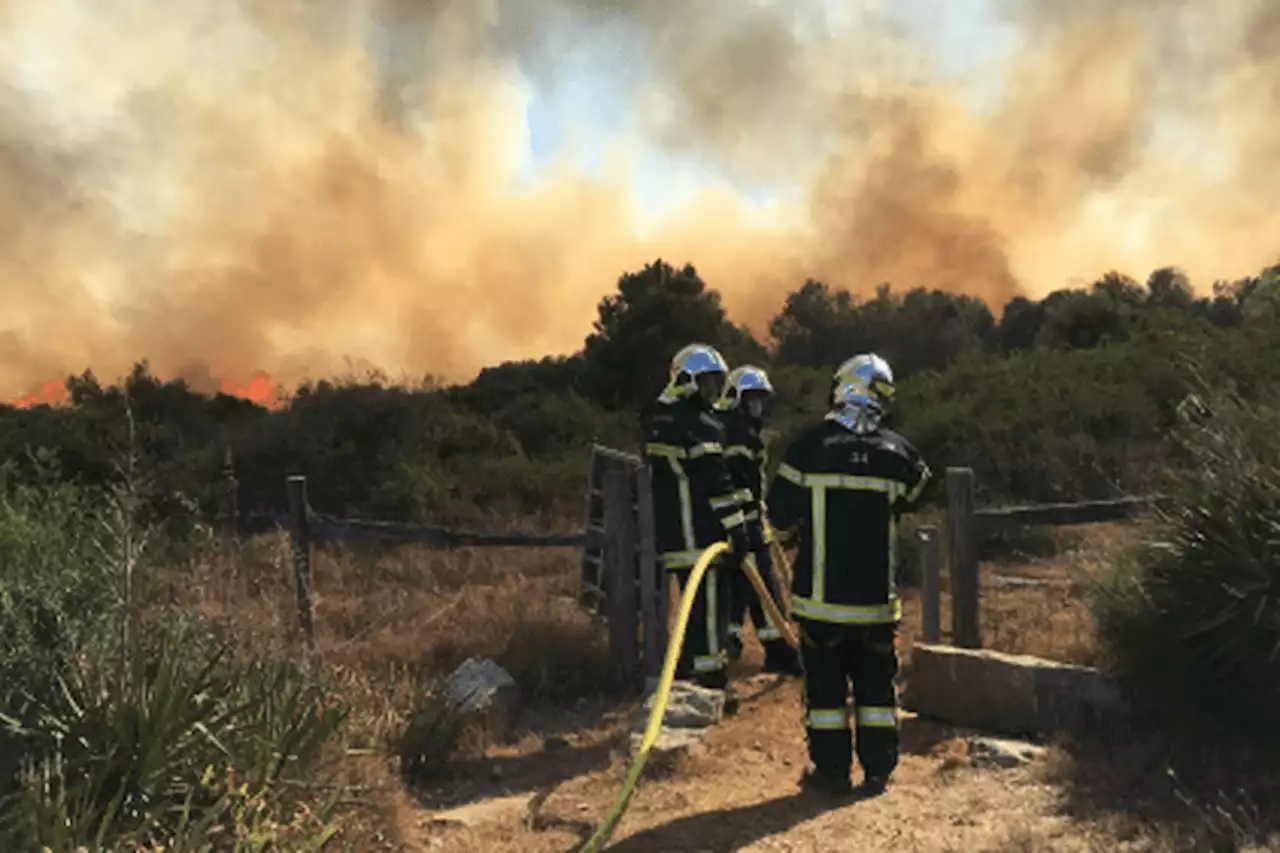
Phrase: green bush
(122,725)
(1192,622)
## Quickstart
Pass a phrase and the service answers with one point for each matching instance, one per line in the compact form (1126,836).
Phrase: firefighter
(744,407)
(840,491)
(695,503)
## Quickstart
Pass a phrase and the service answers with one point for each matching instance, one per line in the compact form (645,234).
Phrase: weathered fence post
(590,585)
(963,553)
(300,538)
(653,616)
(620,568)
(230,508)
(930,583)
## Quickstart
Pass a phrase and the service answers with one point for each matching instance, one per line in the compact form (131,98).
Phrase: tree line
(1067,397)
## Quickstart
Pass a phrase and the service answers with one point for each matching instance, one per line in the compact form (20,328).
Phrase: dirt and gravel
(737,791)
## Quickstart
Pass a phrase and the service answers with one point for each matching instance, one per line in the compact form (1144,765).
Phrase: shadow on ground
(468,781)
(728,829)
(1207,795)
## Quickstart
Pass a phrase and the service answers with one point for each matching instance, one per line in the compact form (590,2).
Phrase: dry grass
(1038,606)
(390,622)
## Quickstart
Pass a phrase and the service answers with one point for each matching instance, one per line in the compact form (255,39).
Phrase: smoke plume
(227,186)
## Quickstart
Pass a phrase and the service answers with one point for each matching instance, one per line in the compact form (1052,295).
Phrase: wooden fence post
(590,584)
(230,509)
(652,614)
(620,569)
(965,611)
(300,537)
(930,583)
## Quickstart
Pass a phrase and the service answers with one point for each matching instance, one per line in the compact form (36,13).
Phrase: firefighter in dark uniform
(744,407)
(695,503)
(840,490)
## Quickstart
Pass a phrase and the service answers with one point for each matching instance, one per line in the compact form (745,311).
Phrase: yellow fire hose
(663,692)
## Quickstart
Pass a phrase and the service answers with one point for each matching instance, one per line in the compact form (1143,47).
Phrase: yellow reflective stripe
(686,503)
(735,630)
(925,475)
(768,633)
(713,614)
(737,519)
(818,512)
(744,495)
(893,555)
(851,482)
(705,448)
(876,717)
(679,559)
(847,614)
(788,472)
(752,515)
(738,450)
(710,663)
(668,450)
(724,501)
(827,718)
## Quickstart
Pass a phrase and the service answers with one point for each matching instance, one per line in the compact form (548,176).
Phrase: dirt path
(738,792)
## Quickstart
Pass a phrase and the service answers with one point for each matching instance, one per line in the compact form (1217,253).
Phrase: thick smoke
(223,186)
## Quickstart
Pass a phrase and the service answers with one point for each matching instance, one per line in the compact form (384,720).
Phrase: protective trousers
(837,657)
(704,655)
(743,599)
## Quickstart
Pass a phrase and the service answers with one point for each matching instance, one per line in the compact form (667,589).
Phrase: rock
(1008,694)
(688,706)
(1002,752)
(670,741)
(481,688)
(1020,582)
(486,812)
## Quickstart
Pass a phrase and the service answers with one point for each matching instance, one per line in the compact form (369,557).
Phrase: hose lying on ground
(663,692)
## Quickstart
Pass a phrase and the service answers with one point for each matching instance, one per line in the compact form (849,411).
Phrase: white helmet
(696,369)
(744,380)
(865,379)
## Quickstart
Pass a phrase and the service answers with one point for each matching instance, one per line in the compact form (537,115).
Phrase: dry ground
(389,622)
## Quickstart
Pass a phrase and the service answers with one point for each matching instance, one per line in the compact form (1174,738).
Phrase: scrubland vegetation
(154,691)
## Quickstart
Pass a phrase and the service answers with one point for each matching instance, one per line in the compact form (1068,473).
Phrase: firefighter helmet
(696,369)
(744,387)
(865,379)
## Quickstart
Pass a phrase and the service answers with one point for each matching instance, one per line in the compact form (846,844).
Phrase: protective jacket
(844,493)
(694,498)
(745,453)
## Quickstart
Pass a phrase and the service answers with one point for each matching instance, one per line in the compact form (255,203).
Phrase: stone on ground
(689,706)
(1009,694)
(1003,753)
(481,688)
(691,711)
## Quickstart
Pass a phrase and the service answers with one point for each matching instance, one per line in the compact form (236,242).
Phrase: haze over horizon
(432,186)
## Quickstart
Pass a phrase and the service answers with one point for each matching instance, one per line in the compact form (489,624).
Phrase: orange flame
(50,392)
(261,389)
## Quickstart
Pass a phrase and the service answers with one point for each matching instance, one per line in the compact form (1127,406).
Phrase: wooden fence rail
(622,584)
(964,522)
(620,579)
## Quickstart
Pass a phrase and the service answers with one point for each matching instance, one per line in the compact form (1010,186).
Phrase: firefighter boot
(814,781)
(872,786)
(781,658)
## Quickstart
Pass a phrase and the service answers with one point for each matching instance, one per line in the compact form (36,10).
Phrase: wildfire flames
(261,389)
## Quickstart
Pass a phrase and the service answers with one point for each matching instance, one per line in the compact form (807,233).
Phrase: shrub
(1193,620)
(122,726)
